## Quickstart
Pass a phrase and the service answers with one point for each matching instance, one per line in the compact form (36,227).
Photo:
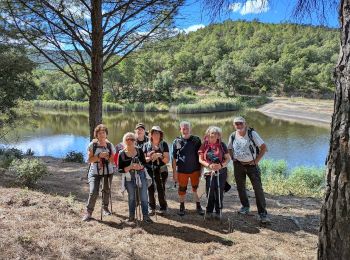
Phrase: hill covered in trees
(232,57)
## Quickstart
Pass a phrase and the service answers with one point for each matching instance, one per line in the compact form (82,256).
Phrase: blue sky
(193,16)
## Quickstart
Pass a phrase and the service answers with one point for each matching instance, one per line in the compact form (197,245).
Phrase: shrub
(274,168)
(29,152)
(8,155)
(73,156)
(28,171)
(310,177)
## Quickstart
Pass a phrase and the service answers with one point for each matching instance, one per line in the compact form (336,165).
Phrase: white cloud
(235,7)
(193,28)
(250,7)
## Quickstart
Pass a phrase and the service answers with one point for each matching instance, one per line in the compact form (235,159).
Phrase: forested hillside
(233,57)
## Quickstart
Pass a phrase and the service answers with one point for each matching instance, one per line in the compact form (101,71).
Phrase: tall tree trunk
(95,99)
(334,235)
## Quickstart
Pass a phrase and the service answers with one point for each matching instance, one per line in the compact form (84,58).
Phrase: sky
(193,15)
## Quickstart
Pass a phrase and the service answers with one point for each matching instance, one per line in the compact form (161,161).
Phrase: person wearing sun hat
(246,149)
(157,157)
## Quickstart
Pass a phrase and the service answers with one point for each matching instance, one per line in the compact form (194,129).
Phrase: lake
(59,132)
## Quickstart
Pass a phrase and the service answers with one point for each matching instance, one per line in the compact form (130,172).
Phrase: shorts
(183,181)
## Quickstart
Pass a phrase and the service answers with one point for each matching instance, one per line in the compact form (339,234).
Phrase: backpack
(94,148)
(180,144)
(148,146)
(118,148)
(250,136)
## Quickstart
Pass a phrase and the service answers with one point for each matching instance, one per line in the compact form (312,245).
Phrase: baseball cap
(239,119)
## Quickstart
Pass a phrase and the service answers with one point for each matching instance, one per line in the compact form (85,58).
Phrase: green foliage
(163,86)
(301,181)
(231,76)
(235,57)
(73,156)
(28,171)
(8,155)
(16,83)
(273,168)
(207,105)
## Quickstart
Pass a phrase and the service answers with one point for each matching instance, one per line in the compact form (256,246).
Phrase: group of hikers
(142,158)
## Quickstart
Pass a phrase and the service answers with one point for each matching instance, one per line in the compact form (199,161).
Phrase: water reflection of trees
(76,123)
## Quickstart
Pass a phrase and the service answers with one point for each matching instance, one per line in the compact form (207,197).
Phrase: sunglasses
(130,139)
(238,123)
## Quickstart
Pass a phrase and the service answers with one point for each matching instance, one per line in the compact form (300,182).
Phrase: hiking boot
(147,220)
(264,219)
(131,219)
(209,215)
(244,210)
(106,212)
(87,216)
(162,211)
(182,210)
(217,216)
(152,212)
(199,209)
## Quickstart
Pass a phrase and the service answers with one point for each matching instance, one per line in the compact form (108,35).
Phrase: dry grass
(46,224)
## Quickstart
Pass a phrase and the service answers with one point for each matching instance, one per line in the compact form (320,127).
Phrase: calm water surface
(57,133)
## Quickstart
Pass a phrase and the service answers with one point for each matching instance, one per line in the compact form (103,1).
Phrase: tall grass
(207,105)
(200,105)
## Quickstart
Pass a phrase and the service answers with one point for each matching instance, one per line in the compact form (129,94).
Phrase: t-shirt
(95,168)
(240,146)
(162,148)
(141,144)
(124,160)
(210,152)
(185,152)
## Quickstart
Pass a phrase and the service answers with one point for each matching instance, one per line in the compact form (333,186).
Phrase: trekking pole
(109,184)
(110,193)
(102,190)
(208,195)
(136,201)
(219,192)
(154,187)
(138,197)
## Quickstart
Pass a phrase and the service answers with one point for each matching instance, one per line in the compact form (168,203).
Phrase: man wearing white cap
(246,149)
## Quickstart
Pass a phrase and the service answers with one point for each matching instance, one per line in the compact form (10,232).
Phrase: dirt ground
(307,111)
(45,223)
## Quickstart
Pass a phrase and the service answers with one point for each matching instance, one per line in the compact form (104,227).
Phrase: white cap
(239,119)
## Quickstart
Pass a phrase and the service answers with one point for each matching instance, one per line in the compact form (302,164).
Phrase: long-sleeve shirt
(124,160)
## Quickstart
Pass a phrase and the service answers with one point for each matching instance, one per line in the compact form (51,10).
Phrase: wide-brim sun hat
(156,128)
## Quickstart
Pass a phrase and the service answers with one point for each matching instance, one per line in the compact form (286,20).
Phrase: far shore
(306,111)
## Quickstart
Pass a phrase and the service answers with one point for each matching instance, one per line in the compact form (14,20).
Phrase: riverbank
(301,110)
(201,104)
(50,225)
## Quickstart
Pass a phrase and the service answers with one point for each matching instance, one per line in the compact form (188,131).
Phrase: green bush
(28,171)
(8,155)
(273,168)
(310,177)
(73,156)
(301,181)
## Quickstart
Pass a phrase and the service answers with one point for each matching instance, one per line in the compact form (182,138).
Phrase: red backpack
(118,148)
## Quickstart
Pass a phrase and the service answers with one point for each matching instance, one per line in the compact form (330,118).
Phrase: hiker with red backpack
(214,156)
(100,157)
(246,150)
